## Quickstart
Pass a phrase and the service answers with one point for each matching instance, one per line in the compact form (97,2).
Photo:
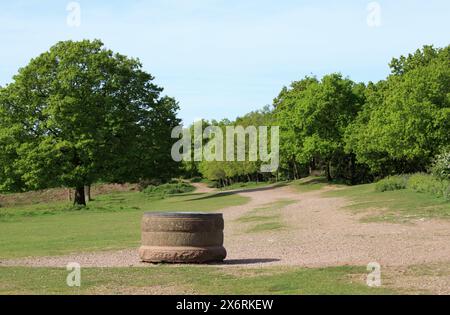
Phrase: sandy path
(319,233)
(322,234)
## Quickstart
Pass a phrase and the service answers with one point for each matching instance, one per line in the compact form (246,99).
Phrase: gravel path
(318,233)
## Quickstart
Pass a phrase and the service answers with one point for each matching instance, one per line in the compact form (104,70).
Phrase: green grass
(266,218)
(393,206)
(310,184)
(264,227)
(165,190)
(249,185)
(189,279)
(258,218)
(110,222)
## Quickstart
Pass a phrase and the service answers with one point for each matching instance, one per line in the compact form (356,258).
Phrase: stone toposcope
(181,237)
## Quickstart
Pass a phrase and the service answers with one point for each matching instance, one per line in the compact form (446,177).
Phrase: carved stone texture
(181,237)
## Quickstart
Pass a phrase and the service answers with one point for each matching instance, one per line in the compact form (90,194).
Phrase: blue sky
(224,58)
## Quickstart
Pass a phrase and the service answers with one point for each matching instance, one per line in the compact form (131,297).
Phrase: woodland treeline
(354,132)
(79,114)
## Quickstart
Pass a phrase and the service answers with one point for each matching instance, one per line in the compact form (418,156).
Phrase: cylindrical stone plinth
(182,238)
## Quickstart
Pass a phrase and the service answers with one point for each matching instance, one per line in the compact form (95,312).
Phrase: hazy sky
(223,58)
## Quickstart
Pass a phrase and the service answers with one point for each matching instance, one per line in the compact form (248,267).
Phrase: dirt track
(318,233)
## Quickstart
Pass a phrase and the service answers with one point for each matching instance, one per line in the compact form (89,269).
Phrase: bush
(441,166)
(421,183)
(143,184)
(425,183)
(392,183)
(162,191)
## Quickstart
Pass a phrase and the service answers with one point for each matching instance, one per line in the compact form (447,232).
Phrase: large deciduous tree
(80,113)
(313,116)
(406,119)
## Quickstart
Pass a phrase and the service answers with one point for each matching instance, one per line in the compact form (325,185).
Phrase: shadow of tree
(314,181)
(238,191)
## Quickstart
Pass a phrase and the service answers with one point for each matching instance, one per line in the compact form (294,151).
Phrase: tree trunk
(69,194)
(329,172)
(79,199)
(353,169)
(87,192)
(312,166)
(296,175)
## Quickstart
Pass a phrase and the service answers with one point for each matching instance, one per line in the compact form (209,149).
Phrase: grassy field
(110,222)
(189,280)
(392,206)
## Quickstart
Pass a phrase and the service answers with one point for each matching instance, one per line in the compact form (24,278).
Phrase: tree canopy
(314,115)
(358,132)
(406,119)
(80,113)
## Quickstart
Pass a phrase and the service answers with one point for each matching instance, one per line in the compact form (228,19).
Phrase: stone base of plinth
(193,255)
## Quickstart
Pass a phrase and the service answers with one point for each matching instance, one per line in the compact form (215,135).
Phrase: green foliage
(313,116)
(196,180)
(441,166)
(392,183)
(357,132)
(406,119)
(225,173)
(80,113)
(421,182)
(164,190)
(425,183)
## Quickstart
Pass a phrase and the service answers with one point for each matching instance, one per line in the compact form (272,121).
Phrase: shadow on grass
(189,194)
(314,181)
(238,191)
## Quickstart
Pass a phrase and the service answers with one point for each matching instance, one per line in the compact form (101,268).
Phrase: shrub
(421,183)
(392,183)
(447,192)
(441,166)
(143,184)
(162,191)
(425,183)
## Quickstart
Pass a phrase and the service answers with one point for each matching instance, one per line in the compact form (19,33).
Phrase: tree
(314,116)
(441,165)
(406,119)
(226,172)
(80,113)
(285,113)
